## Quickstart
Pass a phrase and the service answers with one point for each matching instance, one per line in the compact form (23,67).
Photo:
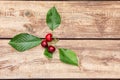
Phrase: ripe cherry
(51,49)
(44,44)
(48,37)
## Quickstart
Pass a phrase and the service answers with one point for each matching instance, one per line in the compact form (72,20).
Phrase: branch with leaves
(25,41)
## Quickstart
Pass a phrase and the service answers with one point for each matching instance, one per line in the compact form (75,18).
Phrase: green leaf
(53,18)
(24,41)
(68,56)
(47,54)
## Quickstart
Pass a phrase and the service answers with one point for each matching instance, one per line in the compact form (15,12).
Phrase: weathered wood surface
(80,19)
(98,59)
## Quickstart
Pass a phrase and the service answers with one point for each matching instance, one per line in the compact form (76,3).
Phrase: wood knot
(101,22)
(12,68)
(28,13)
(29,28)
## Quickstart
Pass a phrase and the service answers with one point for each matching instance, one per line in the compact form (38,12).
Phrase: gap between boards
(75,38)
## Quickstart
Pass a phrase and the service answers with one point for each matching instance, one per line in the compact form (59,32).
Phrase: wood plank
(98,59)
(80,19)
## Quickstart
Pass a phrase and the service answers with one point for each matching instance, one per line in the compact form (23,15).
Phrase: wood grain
(98,59)
(80,19)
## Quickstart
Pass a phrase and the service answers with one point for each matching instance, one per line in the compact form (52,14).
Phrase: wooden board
(80,19)
(98,59)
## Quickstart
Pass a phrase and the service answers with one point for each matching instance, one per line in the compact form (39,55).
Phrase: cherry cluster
(44,43)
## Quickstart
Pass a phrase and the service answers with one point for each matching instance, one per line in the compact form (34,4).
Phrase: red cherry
(44,44)
(51,49)
(48,37)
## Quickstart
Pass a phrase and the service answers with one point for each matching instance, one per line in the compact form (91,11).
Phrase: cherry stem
(54,41)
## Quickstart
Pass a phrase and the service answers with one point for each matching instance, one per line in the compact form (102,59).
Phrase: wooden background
(98,21)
